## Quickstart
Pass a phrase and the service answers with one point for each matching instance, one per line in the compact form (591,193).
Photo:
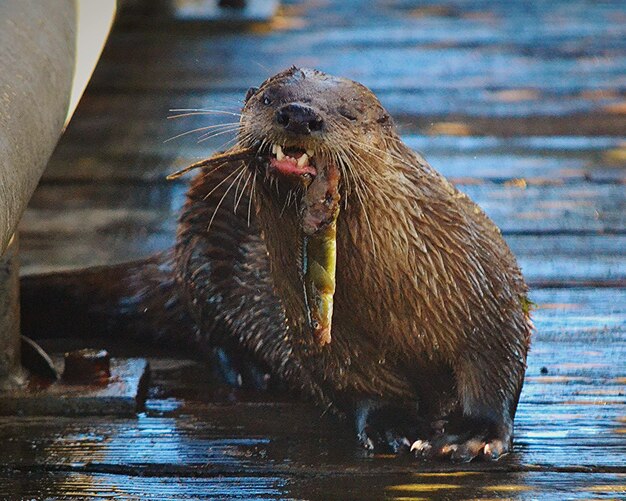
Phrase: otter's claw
(495,449)
(397,442)
(389,440)
(421,447)
(366,441)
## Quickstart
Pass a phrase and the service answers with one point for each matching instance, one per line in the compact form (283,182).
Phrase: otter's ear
(251,92)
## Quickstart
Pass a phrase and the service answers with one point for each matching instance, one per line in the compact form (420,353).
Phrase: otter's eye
(251,92)
(266,101)
(383,119)
(346,113)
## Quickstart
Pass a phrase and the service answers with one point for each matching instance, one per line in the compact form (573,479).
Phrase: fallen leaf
(508,488)
(616,108)
(422,487)
(604,488)
(447,474)
(449,129)
(516,95)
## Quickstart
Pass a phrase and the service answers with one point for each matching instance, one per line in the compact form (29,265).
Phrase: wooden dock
(521,104)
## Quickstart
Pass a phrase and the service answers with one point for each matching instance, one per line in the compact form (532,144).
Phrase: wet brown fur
(427,289)
(429,305)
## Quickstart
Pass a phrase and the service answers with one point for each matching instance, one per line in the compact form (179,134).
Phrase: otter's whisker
(190,114)
(192,131)
(200,111)
(251,195)
(294,195)
(286,202)
(361,163)
(351,177)
(228,144)
(265,145)
(220,184)
(356,158)
(367,220)
(207,174)
(225,125)
(345,178)
(373,150)
(242,138)
(246,138)
(237,180)
(355,155)
(238,200)
(239,172)
(237,189)
(214,134)
(227,157)
(357,190)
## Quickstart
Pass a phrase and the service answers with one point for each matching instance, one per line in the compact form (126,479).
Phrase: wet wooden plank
(121,395)
(551,486)
(103,486)
(229,438)
(46,253)
(515,208)
(540,57)
(464,485)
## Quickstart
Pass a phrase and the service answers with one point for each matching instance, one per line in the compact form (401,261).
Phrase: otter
(430,326)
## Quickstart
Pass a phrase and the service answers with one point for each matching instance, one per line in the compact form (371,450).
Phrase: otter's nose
(299,119)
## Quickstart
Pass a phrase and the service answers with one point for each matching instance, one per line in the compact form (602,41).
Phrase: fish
(320,210)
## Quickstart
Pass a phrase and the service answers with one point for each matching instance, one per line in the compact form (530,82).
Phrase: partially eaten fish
(319,213)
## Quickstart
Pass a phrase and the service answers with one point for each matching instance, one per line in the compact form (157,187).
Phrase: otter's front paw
(461,448)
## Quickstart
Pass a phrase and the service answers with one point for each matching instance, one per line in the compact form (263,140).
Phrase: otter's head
(321,136)
(301,119)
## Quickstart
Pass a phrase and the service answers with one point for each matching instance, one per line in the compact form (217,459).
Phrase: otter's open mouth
(292,161)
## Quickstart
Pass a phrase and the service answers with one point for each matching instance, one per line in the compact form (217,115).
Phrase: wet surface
(120,393)
(521,105)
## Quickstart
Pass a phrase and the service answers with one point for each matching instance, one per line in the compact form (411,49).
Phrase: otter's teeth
(279,153)
(310,153)
(303,160)
(274,146)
